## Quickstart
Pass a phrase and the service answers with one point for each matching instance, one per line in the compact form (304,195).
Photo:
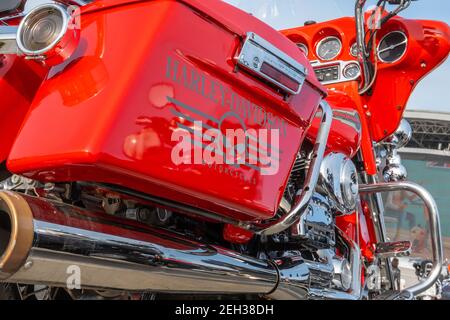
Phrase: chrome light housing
(401,137)
(339,182)
(47,32)
(394,171)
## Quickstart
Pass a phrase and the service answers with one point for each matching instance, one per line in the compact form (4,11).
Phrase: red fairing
(382,109)
(145,70)
(428,47)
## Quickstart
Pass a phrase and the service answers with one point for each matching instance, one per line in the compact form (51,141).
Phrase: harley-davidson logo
(223,96)
(205,139)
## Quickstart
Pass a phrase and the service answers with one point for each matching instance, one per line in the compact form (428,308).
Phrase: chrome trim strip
(360,34)
(354,46)
(303,47)
(82,2)
(311,180)
(433,213)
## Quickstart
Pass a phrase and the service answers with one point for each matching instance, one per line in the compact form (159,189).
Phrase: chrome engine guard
(433,213)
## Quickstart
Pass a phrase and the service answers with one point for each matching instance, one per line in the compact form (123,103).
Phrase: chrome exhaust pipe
(40,240)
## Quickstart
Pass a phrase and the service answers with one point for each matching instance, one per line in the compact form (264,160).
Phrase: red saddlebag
(144,70)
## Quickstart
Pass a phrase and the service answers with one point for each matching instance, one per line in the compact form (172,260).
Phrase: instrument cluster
(403,52)
(326,49)
(333,51)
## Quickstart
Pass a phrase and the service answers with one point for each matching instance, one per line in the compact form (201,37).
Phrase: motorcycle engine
(317,228)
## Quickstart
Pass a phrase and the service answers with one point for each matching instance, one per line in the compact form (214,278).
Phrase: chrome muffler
(41,240)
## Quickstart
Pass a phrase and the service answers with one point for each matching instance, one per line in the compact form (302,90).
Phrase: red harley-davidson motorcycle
(179,147)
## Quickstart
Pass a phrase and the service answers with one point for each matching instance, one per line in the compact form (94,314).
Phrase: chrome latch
(266,61)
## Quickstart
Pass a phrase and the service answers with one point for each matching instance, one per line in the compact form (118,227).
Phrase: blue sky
(430,94)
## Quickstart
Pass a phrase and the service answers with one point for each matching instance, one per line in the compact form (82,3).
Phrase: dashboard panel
(336,71)
(330,47)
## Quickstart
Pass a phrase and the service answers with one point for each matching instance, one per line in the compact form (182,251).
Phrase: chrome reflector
(266,61)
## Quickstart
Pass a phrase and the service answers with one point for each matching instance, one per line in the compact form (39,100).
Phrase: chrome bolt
(28,265)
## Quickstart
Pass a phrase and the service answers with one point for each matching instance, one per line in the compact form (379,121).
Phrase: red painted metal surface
(236,235)
(345,133)
(17,93)
(359,227)
(428,47)
(108,113)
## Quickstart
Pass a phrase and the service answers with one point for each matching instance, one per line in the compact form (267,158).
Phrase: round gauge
(392,47)
(352,71)
(354,50)
(329,48)
(303,47)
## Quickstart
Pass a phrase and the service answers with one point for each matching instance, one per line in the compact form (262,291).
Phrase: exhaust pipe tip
(16,233)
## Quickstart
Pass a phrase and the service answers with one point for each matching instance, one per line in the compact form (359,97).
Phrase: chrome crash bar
(312,177)
(433,214)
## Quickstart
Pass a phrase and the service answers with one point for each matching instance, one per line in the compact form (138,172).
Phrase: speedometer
(392,47)
(329,48)
(303,47)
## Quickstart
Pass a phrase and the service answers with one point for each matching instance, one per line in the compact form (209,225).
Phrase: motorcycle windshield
(284,14)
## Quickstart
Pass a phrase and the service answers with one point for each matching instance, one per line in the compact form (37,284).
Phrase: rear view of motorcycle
(184,148)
